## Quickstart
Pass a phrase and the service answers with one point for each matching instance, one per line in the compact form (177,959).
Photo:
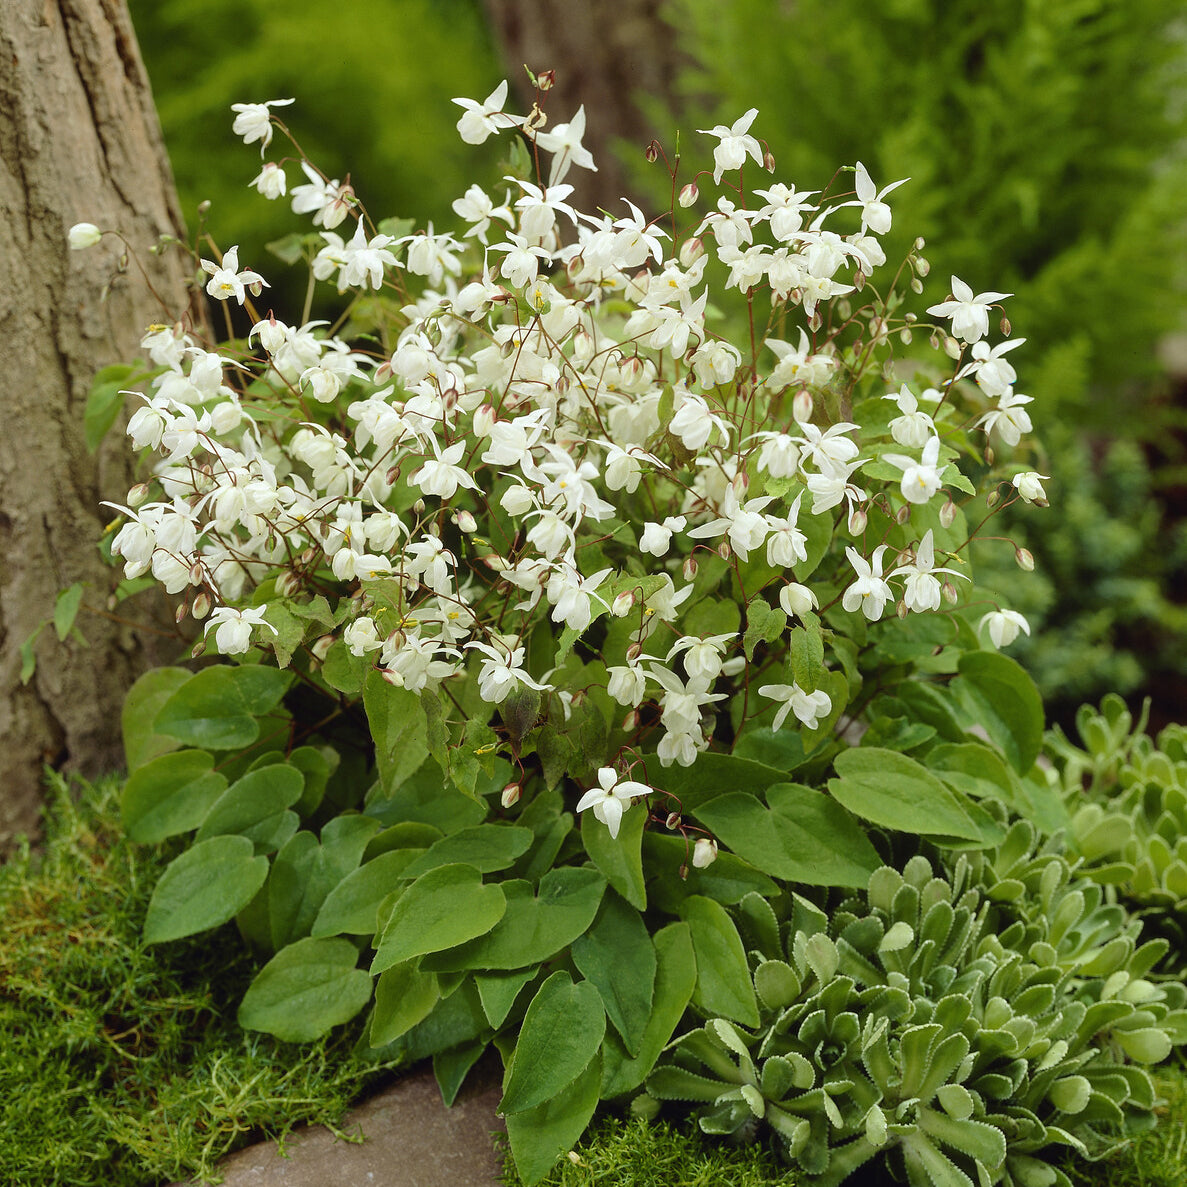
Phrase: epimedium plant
(552,610)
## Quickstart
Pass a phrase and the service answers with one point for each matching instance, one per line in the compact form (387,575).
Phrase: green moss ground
(122,1065)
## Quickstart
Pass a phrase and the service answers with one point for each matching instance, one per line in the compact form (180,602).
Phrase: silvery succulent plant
(959,1023)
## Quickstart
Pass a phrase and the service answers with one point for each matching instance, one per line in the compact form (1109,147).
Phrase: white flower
(704,853)
(564,142)
(610,799)
(1028,484)
(921,479)
(1004,626)
(657,537)
(1009,418)
(441,475)
(875,214)
(227,281)
(482,119)
(232,628)
(922,586)
(253,121)
(969,314)
(735,144)
(270,181)
(83,235)
(808,707)
(913,429)
(502,672)
(626,685)
(869,593)
(797,599)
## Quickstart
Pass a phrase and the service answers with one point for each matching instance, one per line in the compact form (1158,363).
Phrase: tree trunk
(607,56)
(79,141)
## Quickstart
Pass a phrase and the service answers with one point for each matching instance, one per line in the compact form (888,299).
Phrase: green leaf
(217,708)
(728,880)
(254,806)
(398,726)
(806,652)
(316,767)
(204,887)
(803,837)
(404,997)
(675,979)
(305,990)
(345,672)
(441,909)
(618,958)
(534,927)
(1000,696)
(724,988)
(763,625)
(486,847)
(498,990)
(619,859)
(893,790)
(170,795)
(294,889)
(559,1037)
(141,706)
(541,1135)
(66,609)
(711,775)
(352,907)
(105,402)
(424,798)
(29,656)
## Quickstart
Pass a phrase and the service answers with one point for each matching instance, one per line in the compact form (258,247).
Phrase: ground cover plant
(568,630)
(995,114)
(123,1065)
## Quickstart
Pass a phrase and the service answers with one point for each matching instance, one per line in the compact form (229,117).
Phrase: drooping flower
(253,121)
(869,593)
(735,144)
(232,628)
(969,314)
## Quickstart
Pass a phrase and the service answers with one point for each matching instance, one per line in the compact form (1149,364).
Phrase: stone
(410,1139)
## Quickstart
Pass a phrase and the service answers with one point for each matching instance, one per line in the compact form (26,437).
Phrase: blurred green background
(1046,142)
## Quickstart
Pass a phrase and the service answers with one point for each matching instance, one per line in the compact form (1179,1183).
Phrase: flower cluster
(552,469)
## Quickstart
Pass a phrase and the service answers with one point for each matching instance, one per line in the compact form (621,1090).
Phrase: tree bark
(79,141)
(607,56)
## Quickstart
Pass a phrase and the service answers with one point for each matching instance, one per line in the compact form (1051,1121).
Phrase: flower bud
(621,606)
(201,606)
(465,521)
(1005,327)
(920,243)
(511,794)
(740,483)
(633,652)
(688,195)
(900,609)
(630,722)
(916,287)
(857,521)
(989,455)
(181,611)
(546,80)
(902,515)
(393,678)
(768,163)
(321,646)
(801,406)
(691,250)
(288,584)
(673,821)
(948,590)
(83,235)
(1025,559)
(198,648)
(704,852)
(690,568)
(724,551)
(947,514)
(496,563)
(196,572)
(991,499)
(922,267)
(138,494)
(419,507)
(951,347)
(652,153)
